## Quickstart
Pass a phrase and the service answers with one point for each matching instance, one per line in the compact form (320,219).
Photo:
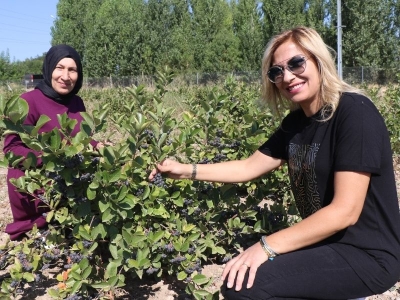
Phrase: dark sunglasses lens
(297,65)
(274,73)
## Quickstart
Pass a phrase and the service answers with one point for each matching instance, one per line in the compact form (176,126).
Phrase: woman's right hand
(173,169)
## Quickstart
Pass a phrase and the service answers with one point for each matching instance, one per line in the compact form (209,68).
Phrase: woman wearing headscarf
(56,94)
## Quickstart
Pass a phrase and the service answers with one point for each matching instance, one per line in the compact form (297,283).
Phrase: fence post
(362,74)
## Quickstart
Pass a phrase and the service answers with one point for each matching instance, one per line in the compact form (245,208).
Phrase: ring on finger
(247,266)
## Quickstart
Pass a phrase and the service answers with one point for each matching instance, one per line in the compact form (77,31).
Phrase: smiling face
(302,89)
(64,76)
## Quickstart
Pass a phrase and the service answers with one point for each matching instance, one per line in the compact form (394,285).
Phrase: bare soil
(163,289)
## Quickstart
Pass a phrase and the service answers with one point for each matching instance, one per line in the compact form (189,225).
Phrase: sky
(25,27)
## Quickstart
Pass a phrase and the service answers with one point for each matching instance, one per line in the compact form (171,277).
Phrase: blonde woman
(337,149)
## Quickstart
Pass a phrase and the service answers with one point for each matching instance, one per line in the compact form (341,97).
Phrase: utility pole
(339,38)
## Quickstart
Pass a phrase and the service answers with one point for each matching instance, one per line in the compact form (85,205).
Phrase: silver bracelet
(194,172)
(268,249)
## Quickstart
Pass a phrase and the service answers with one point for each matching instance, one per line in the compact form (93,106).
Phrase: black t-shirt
(354,139)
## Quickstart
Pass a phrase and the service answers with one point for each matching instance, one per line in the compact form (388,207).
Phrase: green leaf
(88,119)
(182,275)
(113,251)
(136,238)
(107,215)
(156,236)
(99,231)
(200,279)
(201,294)
(162,139)
(101,285)
(43,119)
(49,216)
(28,276)
(91,194)
(76,286)
(113,281)
(55,140)
(84,263)
(111,270)
(115,176)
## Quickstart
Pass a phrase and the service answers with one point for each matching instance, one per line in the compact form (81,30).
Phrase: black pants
(313,273)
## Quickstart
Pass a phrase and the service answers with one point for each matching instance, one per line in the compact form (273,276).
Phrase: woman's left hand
(250,259)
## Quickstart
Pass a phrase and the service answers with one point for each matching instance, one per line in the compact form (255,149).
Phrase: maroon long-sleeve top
(26,210)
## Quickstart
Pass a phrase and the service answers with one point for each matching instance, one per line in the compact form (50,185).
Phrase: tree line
(131,37)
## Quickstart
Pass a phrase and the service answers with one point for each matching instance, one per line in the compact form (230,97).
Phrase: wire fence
(355,76)
(359,75)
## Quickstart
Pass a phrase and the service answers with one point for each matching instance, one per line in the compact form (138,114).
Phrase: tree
(180,41)
(369,35)
(216,47)
(112,43)
(248,28)
(71,24)
(4,65)
(282,15)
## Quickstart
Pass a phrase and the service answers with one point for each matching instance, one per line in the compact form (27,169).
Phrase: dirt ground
(166,289)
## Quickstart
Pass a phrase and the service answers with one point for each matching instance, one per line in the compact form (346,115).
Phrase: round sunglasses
(296,65)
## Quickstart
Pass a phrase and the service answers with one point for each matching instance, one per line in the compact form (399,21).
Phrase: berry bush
(108,225)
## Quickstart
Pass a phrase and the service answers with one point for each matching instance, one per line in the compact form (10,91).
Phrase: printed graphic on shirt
(303,178)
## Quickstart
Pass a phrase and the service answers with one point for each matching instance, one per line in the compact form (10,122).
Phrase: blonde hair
(331,86)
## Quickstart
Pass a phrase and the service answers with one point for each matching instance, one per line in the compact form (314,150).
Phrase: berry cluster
(148,133)
(95,161)
(275,218)
(81,297)
(74,297)
(197,211)
(177,260)
(176,233)
(42,198)
(45,267)
(219,157)
(86,177)
(74,161)
(184,212)
(206,189)
(205,161)
(226,258)
(220,233)
(217,142)
(192,250)
(87,244)
(169,248)
(159,181)
(196,267)
(81,199)
(149,136)
(14,284)
(187,202)
(75,257)
(188,280)
(60,184)
(26,266)
(151,270)
(52,255)
(139,192)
